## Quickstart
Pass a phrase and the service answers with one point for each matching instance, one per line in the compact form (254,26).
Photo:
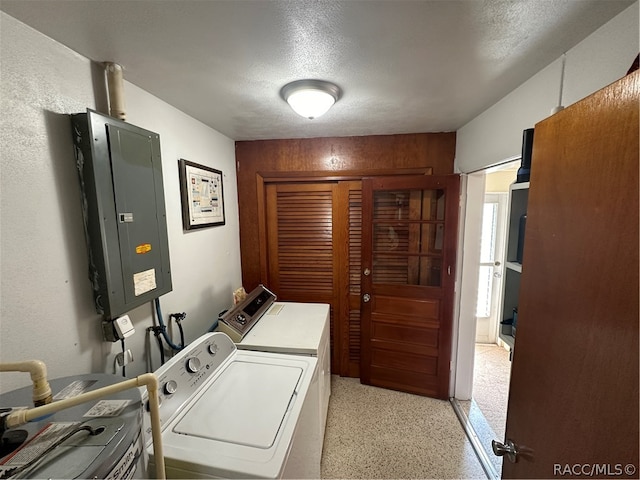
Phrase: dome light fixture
(310,98)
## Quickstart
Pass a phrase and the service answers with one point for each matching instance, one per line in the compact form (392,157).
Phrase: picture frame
(202,195)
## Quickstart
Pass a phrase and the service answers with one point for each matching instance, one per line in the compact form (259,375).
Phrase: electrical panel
(120,172)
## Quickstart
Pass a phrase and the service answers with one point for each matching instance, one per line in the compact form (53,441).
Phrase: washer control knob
(193,364)
(170,387)
(213,348)
(241,319)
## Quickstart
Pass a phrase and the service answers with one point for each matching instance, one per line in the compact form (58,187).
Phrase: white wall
(600,59)
(46,305)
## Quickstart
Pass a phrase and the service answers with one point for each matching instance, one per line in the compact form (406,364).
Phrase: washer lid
(245,405)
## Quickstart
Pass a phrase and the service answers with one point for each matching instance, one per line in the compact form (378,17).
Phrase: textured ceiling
(403,66)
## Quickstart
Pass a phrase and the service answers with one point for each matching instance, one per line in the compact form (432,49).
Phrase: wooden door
(313,238)
(409,238)
(348,219)
(573,402)
(299,222)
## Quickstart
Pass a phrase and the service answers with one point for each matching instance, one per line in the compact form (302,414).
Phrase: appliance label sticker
(143,248)
(144,282)
(74,388)
(107,408)
(35,447)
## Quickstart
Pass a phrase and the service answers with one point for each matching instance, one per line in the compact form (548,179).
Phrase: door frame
(472,201)
(464,321)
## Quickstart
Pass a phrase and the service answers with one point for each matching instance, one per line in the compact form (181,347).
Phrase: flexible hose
(156,332)
(164,328)
(161,347)
(178,317)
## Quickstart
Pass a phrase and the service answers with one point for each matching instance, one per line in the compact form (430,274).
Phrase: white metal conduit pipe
(115,90)
(38,372)
(149,380)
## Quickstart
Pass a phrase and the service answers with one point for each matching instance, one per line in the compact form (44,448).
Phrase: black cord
(14,471)
(123,359)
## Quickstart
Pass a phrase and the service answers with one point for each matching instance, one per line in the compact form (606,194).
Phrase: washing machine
(229,413)
(103,437)
(298,329)
(261,323)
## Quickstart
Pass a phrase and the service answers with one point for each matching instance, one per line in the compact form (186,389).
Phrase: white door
(492,243)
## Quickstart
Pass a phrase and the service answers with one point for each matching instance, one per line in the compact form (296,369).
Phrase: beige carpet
(378,433)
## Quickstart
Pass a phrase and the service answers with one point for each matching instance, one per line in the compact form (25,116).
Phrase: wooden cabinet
(516,220)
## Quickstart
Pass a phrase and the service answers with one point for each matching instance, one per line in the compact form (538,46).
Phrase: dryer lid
(246,405)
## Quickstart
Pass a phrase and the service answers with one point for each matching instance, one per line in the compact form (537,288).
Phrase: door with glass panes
(409,238)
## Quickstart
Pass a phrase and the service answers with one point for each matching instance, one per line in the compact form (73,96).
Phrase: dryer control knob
(193,364)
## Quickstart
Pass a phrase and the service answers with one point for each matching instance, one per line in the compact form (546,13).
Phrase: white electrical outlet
(125,358)
(124,327)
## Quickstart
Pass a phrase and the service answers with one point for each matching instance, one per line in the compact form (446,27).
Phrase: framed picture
(201,194)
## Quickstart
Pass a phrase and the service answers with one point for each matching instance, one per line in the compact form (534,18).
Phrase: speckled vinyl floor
(377,433)
(487,412)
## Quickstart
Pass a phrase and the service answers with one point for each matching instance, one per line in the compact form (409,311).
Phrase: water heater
(120,172)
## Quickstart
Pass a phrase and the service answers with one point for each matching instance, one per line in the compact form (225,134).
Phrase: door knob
(367,272)
(509,449)
(366,297)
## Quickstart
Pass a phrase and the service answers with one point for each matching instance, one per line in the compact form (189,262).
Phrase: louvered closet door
(350,219)
(300,241)
(313,240)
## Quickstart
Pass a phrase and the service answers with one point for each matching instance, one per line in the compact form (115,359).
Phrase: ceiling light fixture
(310,98)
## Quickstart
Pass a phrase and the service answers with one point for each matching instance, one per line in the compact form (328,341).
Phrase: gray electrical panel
(120,171)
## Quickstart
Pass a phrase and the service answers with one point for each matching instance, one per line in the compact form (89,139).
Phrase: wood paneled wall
(326,158)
